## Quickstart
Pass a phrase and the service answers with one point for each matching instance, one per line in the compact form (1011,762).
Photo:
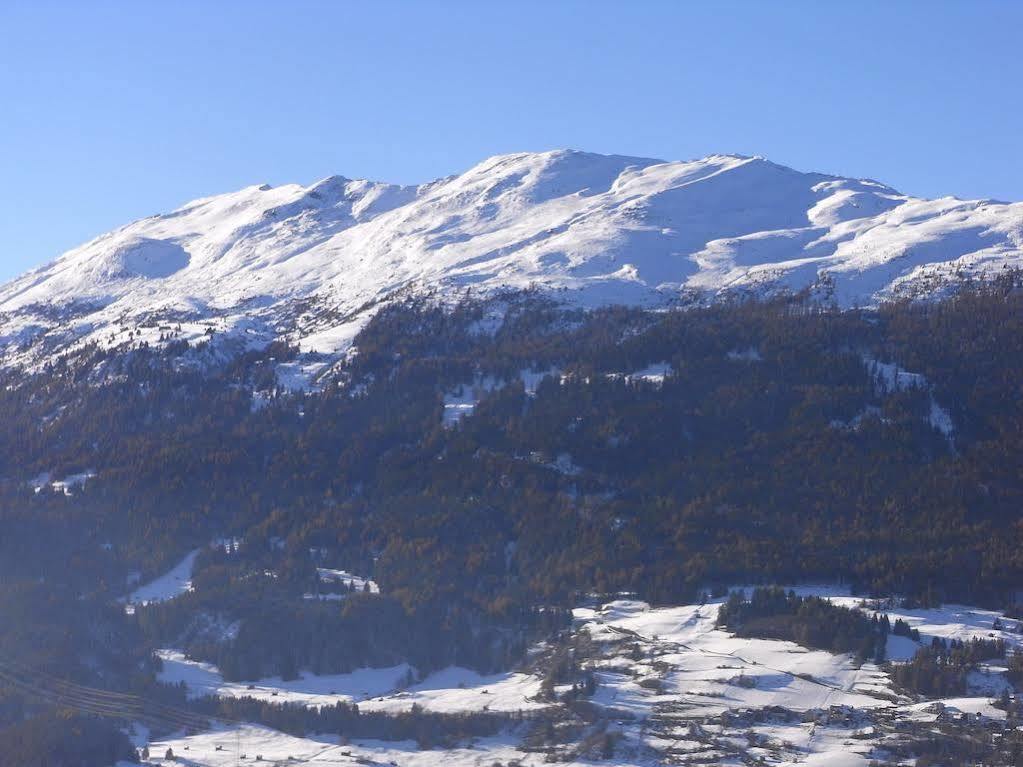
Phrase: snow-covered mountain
(311,263)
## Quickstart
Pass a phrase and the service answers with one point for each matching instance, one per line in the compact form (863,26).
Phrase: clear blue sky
(117,110)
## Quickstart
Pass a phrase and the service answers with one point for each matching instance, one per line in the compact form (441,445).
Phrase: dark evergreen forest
(775,451)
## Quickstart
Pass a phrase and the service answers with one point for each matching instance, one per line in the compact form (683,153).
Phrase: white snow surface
(67,485)
(176,581)
(661,701)
(949,622)
(462,400)
(451,690)
(205,679)
(655,373)
(309,262)
(219,748)
(892,377)
(456,689)
(707,664)
(352,581)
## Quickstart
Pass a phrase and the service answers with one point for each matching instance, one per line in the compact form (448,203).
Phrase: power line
(98,702)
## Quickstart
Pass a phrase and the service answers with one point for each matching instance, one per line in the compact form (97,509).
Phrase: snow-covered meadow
(670,684)
(311,690)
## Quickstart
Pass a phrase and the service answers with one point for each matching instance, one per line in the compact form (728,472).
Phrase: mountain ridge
(597,229)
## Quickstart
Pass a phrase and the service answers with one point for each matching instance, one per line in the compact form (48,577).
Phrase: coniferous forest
(787,442)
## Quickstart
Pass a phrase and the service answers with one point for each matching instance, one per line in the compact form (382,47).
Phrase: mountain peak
(606,228)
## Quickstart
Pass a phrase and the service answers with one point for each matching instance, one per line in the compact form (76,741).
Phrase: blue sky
(110,111)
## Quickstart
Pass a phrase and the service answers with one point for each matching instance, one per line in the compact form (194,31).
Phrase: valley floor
(671,688)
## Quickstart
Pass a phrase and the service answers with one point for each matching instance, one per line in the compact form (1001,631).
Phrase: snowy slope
(308,263)
(167,586)
(671,688)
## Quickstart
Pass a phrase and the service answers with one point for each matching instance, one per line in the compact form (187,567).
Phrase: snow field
(311,263)
(781,702)
(451,690)
(177,580)
(205,679)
